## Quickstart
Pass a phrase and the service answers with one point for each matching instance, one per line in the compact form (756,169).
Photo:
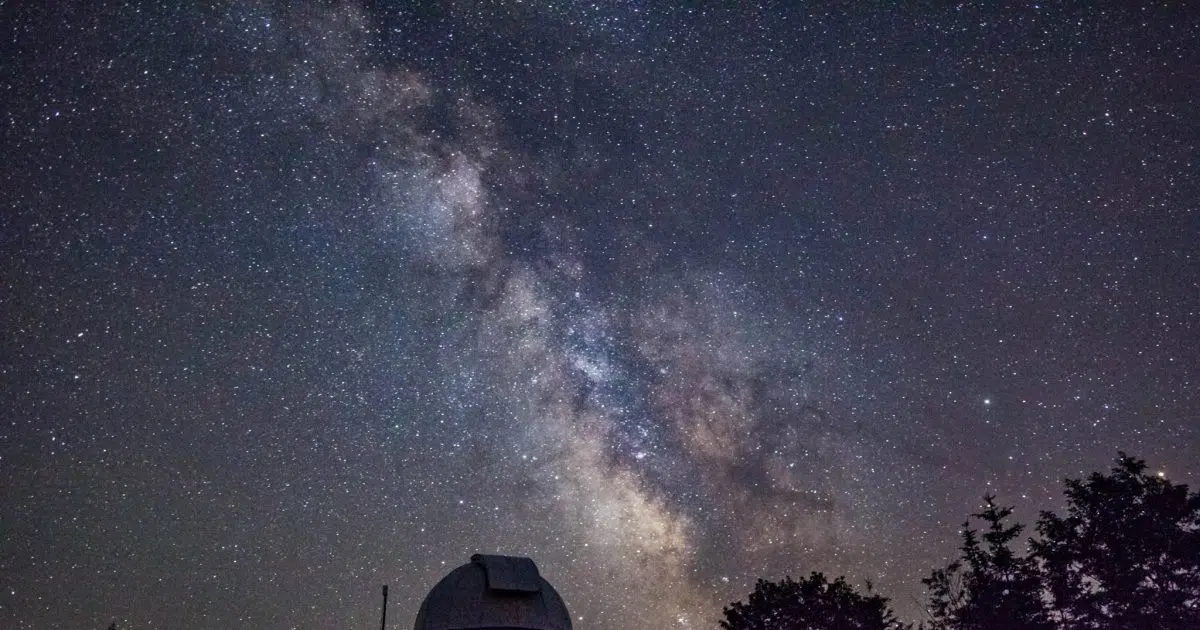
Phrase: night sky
(296,302)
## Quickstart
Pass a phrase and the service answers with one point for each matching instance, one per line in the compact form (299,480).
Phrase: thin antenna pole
(383,620)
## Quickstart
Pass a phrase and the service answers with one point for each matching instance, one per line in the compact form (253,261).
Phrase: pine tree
(989,586)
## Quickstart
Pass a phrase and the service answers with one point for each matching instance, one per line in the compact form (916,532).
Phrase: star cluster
(297,301)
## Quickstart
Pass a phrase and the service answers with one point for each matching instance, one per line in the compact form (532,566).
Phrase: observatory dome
(493,593)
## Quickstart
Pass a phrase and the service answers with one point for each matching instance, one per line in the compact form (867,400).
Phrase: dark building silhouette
(493,593)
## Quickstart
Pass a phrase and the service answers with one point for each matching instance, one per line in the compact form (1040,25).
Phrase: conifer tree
(989,586)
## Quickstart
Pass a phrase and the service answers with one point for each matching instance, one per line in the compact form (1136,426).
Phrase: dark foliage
(810,604)
(1127,554)
(990,586)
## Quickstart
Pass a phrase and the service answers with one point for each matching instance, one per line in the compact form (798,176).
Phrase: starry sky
(298,300)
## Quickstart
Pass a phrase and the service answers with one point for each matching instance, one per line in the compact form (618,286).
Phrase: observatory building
(493,593)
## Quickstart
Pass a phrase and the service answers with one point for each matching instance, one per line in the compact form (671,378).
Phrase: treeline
(1126,555)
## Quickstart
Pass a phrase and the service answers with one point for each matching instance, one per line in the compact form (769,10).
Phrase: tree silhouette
(989,586)
(1127,555)
(810,604)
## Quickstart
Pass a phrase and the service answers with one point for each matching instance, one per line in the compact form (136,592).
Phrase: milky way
(298,302)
